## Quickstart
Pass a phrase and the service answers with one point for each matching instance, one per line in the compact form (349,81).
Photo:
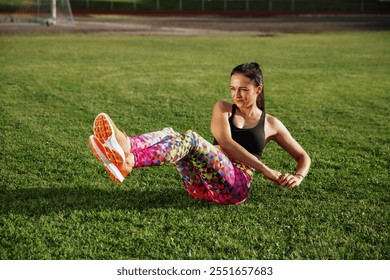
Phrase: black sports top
(252,139)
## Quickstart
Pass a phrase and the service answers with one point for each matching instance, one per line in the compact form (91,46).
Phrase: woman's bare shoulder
(273,121)
(273,126)
(223,106)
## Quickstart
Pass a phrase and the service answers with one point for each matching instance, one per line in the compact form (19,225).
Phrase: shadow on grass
(44,201)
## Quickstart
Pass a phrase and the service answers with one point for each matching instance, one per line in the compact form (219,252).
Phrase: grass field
(56,201)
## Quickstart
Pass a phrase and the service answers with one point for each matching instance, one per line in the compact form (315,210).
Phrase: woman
(222,172)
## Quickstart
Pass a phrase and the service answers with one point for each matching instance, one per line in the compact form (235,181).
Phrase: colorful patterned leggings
(206,172)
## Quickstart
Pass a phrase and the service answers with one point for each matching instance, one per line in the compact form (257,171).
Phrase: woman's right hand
(272,175)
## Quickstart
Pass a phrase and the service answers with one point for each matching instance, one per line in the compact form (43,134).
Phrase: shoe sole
(110,158)
(104,130)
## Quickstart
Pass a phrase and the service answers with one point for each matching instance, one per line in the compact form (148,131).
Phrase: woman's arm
(284,139)
(220,129)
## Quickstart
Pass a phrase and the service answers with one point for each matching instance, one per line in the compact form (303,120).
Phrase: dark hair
(252,70)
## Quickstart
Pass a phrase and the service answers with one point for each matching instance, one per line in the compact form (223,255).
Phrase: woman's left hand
(290,181)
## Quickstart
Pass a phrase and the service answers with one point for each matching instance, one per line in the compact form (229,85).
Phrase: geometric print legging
(205,171)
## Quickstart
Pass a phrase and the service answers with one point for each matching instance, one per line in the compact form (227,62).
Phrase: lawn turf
(56,201)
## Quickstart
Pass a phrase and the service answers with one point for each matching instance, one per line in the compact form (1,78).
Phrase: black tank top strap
(262,118)
(234,107)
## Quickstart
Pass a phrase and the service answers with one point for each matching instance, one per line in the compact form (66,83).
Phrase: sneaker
(111,159)
(104,130)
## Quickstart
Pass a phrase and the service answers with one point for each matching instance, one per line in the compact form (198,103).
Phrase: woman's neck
(249,112)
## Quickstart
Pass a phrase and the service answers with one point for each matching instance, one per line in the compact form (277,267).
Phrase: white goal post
(33,12)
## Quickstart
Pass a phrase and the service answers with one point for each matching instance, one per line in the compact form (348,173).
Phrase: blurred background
(243,7)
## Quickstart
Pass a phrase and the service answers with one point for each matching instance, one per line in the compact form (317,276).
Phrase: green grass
(56,201)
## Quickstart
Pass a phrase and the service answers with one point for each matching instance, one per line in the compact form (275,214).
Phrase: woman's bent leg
(218,178)
(167,149)
(147,140)
(205,171)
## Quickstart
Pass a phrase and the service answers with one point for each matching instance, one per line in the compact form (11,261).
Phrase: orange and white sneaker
(112,159)
(107,149)
(104,130)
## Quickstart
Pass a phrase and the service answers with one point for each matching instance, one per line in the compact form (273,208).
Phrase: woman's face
(243,91)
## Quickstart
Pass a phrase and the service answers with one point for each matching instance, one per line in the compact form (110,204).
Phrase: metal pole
(135,5)
(158,5)
(202,5)
(180,5)
(70,12)
(247,5)
(292,5)
(39,8)
(362,5)
(270,5)
(54,10)
(224,5)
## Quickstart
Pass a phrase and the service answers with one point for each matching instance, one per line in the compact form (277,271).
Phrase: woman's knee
(191,133)
(170,130)
(192,137)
